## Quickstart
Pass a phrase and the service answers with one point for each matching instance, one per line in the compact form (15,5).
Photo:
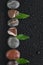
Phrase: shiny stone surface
(12,63)
(13,4)
(13,42)
(13,22)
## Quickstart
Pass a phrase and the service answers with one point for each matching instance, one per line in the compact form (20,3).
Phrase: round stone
(13,4)
(12,63)
(13,42)
(12,31)
(13,54)
(12,13)
(13,22)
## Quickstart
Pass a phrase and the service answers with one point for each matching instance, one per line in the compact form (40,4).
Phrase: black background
(32,27)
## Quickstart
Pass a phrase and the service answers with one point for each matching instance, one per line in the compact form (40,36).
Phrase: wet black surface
(31,49)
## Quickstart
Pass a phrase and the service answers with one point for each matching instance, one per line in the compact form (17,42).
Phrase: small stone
(13,22)
(12,63)
(12,31)
(13,42)
(13,54)
(13,4)
(12,13)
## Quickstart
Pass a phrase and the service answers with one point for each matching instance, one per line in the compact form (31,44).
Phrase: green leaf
(22,16)
(22,61)
(22,37)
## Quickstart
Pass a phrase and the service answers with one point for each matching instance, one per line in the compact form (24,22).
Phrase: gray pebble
(13,42)
(13,22)
(12,63)
(13,4)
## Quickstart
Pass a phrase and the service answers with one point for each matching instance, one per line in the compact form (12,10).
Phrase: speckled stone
(12,63)
(13,42)
(12,13)
(13,54)
(13,22)
(12,31)
(13,4)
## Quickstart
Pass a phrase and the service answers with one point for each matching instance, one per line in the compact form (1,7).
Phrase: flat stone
(12,13)
(13,22)
(13,54)
(12,63)
(12,31)
(13,4)
(13,42)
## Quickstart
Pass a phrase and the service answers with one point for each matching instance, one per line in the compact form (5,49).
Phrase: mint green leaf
(22,37)
(22,61)
(22,16)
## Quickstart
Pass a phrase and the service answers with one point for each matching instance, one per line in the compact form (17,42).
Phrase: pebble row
(13,41)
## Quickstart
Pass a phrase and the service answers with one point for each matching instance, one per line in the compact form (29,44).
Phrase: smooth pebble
(12,13)
(12,63)
(13,42)
(13,54)
(13,22)
(13,4)
(12,31)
